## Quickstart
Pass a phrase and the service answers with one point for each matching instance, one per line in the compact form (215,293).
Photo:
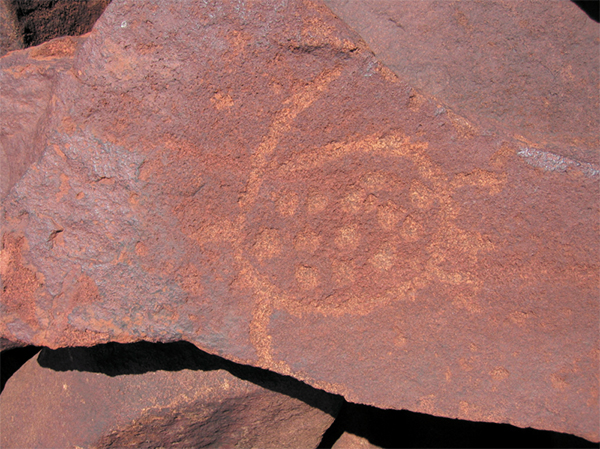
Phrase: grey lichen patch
(553,162)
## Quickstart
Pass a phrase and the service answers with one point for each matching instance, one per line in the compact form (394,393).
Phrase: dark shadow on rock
(13,359)
(42,20)
(383,428)
(590,7)
(403,429)
(116,359)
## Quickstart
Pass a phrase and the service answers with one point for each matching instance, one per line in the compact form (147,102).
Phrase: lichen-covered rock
(144,395)
(251,179)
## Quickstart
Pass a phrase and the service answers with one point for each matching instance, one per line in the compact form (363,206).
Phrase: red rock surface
(530,68)
(27,80)
(53,401)
(251,179)
(351,441)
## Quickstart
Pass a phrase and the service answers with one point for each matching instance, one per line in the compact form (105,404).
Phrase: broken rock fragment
(252,180)
(351,441)
(153,395)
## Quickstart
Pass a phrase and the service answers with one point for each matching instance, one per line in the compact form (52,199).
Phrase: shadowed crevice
(13,359)
(404,429)
(590,7)
(42,20)
(384,428)
(116,359)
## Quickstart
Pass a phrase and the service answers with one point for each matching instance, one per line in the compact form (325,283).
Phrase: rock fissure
(80,372)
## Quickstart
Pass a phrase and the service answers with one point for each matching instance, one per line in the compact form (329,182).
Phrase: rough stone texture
(42,20)
(528,67)
(6,344)
(27,80)
(10,36)
(251,179)
(110,397)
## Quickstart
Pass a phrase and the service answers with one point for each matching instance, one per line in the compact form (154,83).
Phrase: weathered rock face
(251,179)
(531,69)
(10,36)
(109,396)
(27,80)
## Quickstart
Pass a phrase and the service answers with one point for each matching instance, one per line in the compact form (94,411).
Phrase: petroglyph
(280,125)
(343,228)
(355,241)
(347,238)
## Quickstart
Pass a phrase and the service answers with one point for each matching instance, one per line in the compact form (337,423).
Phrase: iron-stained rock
(42,20)
(351,441)
(10,35)
(145,395)
(27,79)
(529,68)
(249,178)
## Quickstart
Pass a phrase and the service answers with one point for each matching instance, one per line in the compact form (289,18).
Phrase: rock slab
(109,397)
(250,178)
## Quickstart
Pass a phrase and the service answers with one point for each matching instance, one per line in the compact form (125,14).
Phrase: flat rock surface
(114,396)
(249,178)
(531,68)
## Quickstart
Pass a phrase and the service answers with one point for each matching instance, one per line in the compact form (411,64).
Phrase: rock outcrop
(144,395)
(251,179)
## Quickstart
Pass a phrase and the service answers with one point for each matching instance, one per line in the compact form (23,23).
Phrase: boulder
(249,178)
(144,395)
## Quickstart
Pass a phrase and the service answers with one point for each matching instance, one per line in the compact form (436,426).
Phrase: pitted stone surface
(252,180)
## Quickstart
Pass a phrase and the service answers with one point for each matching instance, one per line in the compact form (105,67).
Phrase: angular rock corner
(249,178)
(166,396)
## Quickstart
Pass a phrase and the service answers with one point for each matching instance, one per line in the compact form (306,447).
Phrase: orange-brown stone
(530,69)
(251,179)
(27,79)
(145,395)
